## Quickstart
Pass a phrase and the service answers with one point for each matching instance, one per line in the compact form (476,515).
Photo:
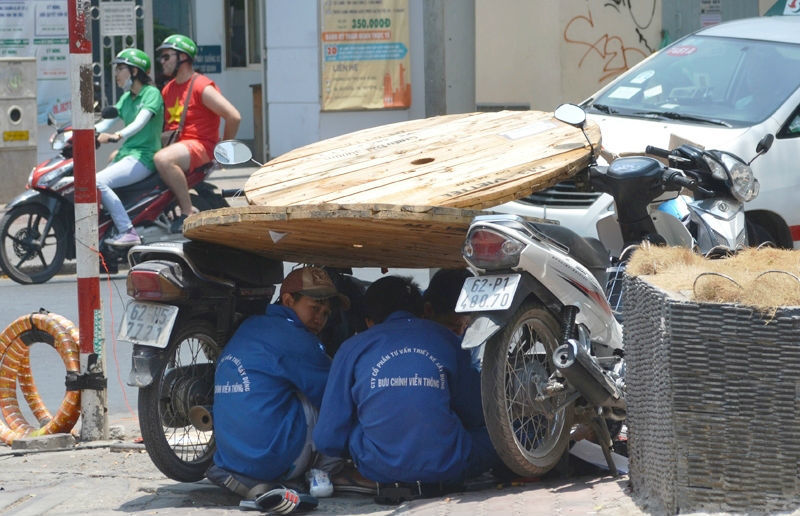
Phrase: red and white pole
(90,314)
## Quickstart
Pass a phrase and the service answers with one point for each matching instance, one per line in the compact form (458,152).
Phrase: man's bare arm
(216,102)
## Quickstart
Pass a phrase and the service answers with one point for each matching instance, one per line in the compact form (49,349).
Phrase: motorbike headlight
(717,170)
(60,140)
(53,176)
(744,185)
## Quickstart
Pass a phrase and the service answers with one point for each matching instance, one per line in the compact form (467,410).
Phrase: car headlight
(744,185)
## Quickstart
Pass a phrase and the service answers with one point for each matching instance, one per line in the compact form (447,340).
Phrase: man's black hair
(390,294)
(444,288)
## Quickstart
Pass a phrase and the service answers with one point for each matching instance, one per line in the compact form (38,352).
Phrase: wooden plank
(354,235)
(472,160)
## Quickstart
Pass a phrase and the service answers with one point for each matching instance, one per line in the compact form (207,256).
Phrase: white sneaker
(319,484)
(128,239)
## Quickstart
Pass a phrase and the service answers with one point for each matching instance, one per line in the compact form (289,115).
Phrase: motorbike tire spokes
(529,434)
(33,244)
(180,450)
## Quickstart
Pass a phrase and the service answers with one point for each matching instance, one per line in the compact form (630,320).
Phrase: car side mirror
(571,114)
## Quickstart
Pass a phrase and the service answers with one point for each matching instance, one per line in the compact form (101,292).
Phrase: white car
(723,87)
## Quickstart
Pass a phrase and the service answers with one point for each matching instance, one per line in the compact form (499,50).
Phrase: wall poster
(364,54)
(39,28)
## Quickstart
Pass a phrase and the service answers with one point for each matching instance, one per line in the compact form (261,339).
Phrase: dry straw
(762,278)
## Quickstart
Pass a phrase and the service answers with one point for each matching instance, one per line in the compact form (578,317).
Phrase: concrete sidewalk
(97,479)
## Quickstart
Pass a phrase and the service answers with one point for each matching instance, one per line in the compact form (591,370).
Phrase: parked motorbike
(547,325)
(188,300)
(37,231)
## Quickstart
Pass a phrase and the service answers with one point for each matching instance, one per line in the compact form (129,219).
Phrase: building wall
(293,79)
(541,53)
(234,83)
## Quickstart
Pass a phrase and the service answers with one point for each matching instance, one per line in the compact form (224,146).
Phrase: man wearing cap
(193,105)
(268,389)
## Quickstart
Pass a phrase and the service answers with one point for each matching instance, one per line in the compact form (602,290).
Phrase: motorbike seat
(147,184)
(588,251)
(243,267)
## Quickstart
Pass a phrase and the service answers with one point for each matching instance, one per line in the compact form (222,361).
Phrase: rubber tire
(56,229)
(757,235)
(493,394)
(155,441)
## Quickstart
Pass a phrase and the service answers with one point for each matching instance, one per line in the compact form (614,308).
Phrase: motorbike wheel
(178,448)
(530,436)
(22,257)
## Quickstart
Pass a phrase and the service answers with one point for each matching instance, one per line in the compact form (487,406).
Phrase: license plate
(148,324)
(485,293)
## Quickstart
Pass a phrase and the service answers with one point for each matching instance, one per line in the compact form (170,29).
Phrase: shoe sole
(355,489)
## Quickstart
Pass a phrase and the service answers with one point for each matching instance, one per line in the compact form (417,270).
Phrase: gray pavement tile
(96,481)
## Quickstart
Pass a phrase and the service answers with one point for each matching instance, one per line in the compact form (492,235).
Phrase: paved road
(98,481)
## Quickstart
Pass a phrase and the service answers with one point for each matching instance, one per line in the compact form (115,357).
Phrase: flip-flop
(285,501)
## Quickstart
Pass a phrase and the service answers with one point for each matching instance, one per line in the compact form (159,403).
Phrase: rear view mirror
(232,152)
(765,143)
(109,112)
(571,114)
(763,146)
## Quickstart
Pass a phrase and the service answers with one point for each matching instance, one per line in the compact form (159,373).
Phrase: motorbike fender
(29,197)
(146,361)
(481,329)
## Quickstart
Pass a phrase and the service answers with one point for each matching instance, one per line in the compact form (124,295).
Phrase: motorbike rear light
(154,285)
(489,249)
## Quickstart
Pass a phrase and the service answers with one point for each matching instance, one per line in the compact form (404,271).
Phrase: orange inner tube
(15,367)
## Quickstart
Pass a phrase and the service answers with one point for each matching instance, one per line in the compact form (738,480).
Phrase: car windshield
(720,81)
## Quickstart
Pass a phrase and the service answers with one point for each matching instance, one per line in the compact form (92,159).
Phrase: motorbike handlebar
(675,178)
(656,151)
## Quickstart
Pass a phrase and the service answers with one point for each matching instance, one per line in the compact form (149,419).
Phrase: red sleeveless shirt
(201,123)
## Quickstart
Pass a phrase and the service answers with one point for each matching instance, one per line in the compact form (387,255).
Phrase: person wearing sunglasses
(193,107)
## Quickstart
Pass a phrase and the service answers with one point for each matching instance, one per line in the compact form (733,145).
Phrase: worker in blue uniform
(268,389)
(392,399)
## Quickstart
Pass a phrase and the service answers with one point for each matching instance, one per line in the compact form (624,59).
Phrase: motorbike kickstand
(604,438)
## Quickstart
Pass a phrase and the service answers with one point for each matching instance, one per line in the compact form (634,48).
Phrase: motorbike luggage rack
(614,290)
(614,286)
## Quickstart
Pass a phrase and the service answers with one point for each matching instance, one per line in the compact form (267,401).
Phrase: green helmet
(180,43)
(134,57)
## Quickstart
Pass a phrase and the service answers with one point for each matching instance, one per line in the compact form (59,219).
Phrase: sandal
(284,501)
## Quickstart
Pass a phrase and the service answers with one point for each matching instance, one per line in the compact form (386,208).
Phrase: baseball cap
(314,283)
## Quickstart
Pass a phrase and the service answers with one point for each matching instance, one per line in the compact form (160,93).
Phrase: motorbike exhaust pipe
(201,418)
(581,370)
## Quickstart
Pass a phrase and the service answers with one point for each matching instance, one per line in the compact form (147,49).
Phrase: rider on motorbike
(198,128)
(141,109)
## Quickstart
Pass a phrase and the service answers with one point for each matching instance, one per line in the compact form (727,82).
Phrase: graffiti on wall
(612,34)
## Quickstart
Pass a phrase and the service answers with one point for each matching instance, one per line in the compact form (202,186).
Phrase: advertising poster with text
(365,54)
(39,28)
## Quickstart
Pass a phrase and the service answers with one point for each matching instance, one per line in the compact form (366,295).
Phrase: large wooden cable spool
(398,195)
(15,341)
